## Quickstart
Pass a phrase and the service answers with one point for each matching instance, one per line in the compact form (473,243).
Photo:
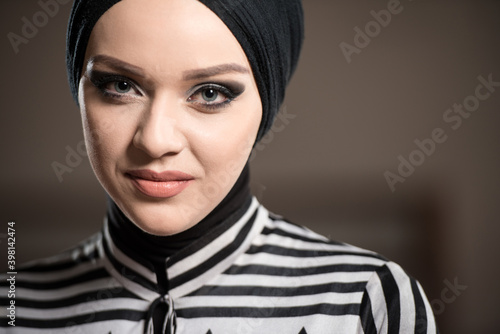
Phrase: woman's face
(170,110)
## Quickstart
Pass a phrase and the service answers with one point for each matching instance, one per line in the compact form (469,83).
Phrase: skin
(153,116)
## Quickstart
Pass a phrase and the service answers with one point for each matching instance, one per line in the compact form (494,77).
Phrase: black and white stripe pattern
(260,274)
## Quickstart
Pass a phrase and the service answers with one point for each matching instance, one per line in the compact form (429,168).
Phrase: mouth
(159,185)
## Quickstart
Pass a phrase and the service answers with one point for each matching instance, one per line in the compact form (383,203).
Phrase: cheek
(105,137)
(226,147)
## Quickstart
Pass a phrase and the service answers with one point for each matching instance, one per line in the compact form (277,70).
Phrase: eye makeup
(123,88)
(207,96)
(230,90)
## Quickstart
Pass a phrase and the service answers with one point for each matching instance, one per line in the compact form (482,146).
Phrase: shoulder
(86,251)
(64,291)
(282,237)
(56,276)
(381,293)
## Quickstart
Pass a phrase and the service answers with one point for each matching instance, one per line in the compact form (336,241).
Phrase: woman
(173,95)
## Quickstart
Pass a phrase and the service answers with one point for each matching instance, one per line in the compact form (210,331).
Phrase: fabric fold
(161,317)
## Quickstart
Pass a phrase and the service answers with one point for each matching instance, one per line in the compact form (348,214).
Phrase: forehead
(165,36)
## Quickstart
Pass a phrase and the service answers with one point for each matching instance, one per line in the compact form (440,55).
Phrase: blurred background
(368,86)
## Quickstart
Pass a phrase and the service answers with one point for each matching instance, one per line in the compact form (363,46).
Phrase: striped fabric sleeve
(394,303)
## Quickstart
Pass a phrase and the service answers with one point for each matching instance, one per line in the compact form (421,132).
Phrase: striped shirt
(258,274)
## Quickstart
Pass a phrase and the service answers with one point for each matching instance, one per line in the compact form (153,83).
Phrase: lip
(159,184)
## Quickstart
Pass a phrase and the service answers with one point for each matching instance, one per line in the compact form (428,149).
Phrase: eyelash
(102,80)
(229,93)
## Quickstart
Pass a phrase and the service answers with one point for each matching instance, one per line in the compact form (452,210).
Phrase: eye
(114,86)
(210,95)
(118,87)
(213,96)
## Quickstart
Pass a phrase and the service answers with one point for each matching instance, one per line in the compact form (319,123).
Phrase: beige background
(325,168)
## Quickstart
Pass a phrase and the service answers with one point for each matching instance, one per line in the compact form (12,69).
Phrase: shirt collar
(191,267)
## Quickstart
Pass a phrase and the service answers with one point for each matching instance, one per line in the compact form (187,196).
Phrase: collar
(191,267)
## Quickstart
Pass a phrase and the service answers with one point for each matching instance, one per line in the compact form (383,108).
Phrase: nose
(158,132)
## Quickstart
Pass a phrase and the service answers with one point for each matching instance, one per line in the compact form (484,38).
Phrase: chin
(161,219)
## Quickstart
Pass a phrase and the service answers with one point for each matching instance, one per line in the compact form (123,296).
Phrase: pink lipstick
(160,185)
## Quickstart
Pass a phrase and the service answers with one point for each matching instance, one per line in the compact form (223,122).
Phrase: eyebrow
(214,70)
(117,64)
(195,74)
